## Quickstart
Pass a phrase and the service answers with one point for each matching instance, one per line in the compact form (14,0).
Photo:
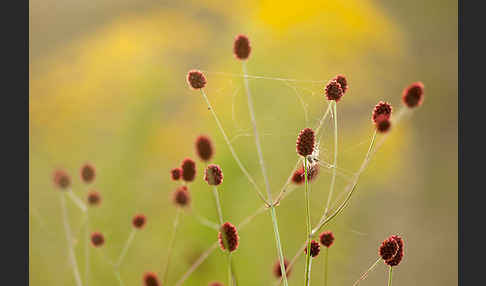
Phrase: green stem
(326,259)
(218,205)
(333,178)
(67,230)
(390,276)
(230,280)
(367,271)
(118,277)
(309,274)
(171,246)
(125,248)
(308,232)
(86,251)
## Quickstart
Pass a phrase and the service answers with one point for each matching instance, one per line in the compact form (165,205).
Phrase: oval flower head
(97,239)
(382,108)
(88,173)
(241,47)
(204,148)
(315,248)
(388,248)
(62,180)
(413,95)
(213,175)
(327,238)
(139,221)
(150,279)
(188,170)
(196,79)
(176,174)
(397,258)
(333,90)
(305,142)
(182,197)
(228,237)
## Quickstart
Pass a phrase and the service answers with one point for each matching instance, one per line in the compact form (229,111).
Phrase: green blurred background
(107,86)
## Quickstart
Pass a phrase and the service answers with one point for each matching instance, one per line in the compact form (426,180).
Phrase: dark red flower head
(395,260)
(88,173)
(326,238)
(333,90)
(176,174)
(241,47)
(383,124)
(188,170)
(204,148)
(341,79)
(315,248)
(277,271)
(62,179)
(215,283)
(213,175)
(196,79)
(305,142)
(382,108)
(97,239)
(94,198)
(388,248)
(150,279)
(139,221)
(413,95)
(182,197)
(228,237)
(298,176)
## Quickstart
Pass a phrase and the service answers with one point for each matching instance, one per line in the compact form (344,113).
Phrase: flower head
(333,90)
(188,170)
(204,148)
(305,142)
(382,108)
(413,95)
(139,221)
(94,198)
(395,260)
(228,237)
(241,47)
(383,124)
(196,79)
(182,197)
(314,249)
(326,238)
(277,270)
(150,279)
(341,79)
(299,178)
(213,175)
(97,239)
(388,248)
(62,179)
(88,173)
(176,174)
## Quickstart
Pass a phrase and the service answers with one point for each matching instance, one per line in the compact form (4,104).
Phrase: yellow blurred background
(107,86)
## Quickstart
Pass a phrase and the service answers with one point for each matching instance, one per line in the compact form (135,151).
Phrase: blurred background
(107,86)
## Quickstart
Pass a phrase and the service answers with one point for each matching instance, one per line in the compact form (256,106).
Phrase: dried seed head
(299,178)
(341,79)
(97,239)
(333,90)
(139,221)
(228,237)
(62,179)
(383,124)
(94,198)
(395,260)
(215,283)
(196,79)
(188,170)
(150,279)
(305,142)
(388,248)
(277,271)
(204,148)
(382,108)
(182,197)
(413,95)
(315,248)
(241,47)
(326,238)
(213,175)
(88,173)
(176,174)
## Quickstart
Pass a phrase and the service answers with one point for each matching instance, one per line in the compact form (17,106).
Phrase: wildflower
(139,221)
(181,196)
(388,248)
(305,142)
(241,47)
(176,174)
(204,148)
(196,79)
(188,170)
(333,90)
(88,173)
(62,179)
(150,279)
(277,271)
(413,95)
(299,178)
(326,238)
(213,175)
(341,79)
(383,124)
(395,260)
(230,239)
(97,239)
(94,198)
(382,108)
(314,248)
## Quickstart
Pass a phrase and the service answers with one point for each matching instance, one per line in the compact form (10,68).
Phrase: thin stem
(125,248)
(218,205)
(86,251)
(390,276)
(264,172)
(77,201)
(309,273)
(171,246)
(308,230)
(118,277)
(230,280)
(333,178)
(363,277)
(230,146)
(67,230)
(326,259)
(196,264)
